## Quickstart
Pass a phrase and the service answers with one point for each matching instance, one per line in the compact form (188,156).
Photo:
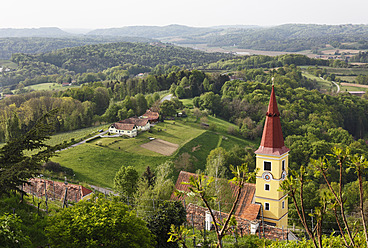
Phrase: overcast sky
(93,14)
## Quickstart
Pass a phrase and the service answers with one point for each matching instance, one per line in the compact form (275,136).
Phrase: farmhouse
(142,124)
(151,116)
(55,190)
(124,129)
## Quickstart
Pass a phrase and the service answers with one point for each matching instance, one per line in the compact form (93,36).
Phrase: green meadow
(97,161)
(50,86)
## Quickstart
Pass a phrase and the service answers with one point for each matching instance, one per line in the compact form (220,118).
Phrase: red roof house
(246,207)
(151,116)
(55,190)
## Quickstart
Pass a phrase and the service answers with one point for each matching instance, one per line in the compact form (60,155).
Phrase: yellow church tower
(272,163)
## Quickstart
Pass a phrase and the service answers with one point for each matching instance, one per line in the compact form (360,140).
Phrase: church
(261,203)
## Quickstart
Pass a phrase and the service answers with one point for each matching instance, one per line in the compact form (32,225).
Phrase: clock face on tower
(267,176)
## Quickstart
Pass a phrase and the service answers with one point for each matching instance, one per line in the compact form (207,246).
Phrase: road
(338,86)
(103,190)
(168,97)
(84,141)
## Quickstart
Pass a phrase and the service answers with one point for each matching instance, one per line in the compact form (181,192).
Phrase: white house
(124,129)
(142,124)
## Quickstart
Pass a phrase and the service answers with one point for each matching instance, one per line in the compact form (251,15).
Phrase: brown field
(161,146)
(355,85)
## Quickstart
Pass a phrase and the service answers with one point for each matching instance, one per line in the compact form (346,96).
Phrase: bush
(98,223)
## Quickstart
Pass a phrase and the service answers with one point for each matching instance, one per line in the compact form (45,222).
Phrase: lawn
(76,134)
(7,64)
(352,87)
(97,161)
(188,103)
(50,86)
(98,165)
(323,83)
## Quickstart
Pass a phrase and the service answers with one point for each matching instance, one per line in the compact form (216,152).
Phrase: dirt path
(355,85)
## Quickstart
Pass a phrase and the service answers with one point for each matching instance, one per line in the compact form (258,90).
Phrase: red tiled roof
(151,115)
(272,142)
(124,126)
(137,121)
(55,189)
(245,208)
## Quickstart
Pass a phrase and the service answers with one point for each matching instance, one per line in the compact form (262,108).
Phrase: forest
(287,37)
(43,67)
(290,37)
(325,131)
(35,45)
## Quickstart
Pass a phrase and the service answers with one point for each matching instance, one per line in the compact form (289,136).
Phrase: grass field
(76,135)
(7,64)
(353,87)
(326,85)
(97,162)
(50,86)
(188,103)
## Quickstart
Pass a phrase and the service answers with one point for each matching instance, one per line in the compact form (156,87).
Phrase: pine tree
(16,167)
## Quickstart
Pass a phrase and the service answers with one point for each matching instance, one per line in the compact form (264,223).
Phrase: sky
(92,14)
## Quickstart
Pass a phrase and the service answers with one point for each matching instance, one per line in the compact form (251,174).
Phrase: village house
(56,190)
(124,129)
(151,116)
(142,124)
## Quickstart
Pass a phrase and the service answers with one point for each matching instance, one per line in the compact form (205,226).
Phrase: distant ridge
(152,31)
(33,32)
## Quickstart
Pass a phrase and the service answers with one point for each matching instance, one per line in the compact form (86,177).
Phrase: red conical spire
(272,142)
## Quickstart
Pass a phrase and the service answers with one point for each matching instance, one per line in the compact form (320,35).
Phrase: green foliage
(11,234)
(125,181)
(42,68)
(15,166)
(289,37)
(96,223)
(149,196)
(168,108)
(168,213)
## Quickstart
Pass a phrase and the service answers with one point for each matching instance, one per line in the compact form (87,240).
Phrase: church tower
(272,163)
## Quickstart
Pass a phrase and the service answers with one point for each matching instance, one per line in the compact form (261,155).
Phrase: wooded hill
(289,37)
(33,32)
(96,58)
(33,45)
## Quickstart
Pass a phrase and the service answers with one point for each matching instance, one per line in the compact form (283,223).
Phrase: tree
(96,223)
(215,166)
(141,104)
(339,158)
(16,167)
(294,185)
(148,197)
(200,187)
(12,127)
(11,235)
(167,108)
(359,164)
(168,213)
(197,113)
(126,180)
(149,176)
(179,92)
